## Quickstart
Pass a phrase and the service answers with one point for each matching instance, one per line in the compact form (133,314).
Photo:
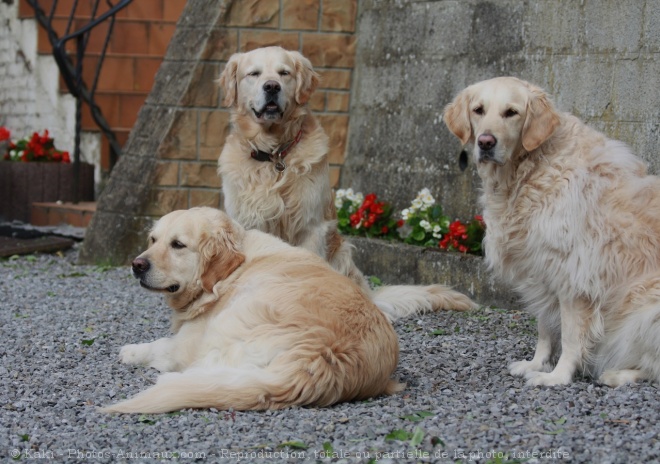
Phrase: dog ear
(228,80)
(541,120)
(306,78)
(220,256)
(457,118)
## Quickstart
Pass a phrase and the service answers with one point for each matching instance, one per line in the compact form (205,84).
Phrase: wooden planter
(22,184)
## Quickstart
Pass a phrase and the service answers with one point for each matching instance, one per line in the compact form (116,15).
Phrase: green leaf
(327,447)
(24,437)
(375,281)
(417,437)
(554,432)
(87,342)
(398,434)
(418,416)
(418,234)
(31,258)
(293,444)
(145,420)
(560,421)
(439,332)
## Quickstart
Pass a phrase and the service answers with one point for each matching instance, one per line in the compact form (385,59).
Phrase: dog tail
(398,301)
(224,388)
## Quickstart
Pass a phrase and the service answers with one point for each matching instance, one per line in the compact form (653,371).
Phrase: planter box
(399,263)
(22,184)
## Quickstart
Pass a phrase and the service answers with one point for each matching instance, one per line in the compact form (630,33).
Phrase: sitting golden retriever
(573,223)
(274,171)
(258,324)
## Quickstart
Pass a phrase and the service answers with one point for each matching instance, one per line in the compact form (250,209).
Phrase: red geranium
(36,148)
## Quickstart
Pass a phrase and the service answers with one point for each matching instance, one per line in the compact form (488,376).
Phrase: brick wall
(322,30)
(137,45)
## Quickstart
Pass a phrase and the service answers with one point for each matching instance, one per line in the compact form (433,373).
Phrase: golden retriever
(258,324)
(274,171)
(573,223)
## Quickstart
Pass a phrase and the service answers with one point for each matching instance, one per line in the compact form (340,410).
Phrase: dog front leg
(576,325)
(547,325)
(158,354)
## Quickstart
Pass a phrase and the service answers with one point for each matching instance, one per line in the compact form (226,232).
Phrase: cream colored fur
(573,223)
(258,324)
(297,204)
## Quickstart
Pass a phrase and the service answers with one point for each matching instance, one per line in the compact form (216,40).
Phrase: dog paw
(133,354)
(622,377)
(547,379)
(522,368)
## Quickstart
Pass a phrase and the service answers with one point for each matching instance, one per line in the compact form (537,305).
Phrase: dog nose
(140,266)
(486,141)
(272,87)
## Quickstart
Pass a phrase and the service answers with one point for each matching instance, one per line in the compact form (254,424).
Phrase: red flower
(400,223)
(65,157)
(4,133)
(384,230)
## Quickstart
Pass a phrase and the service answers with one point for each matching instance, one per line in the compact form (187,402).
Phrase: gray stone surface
(63,325)
(599,60)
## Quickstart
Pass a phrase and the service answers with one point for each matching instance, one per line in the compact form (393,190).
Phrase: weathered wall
(599,58)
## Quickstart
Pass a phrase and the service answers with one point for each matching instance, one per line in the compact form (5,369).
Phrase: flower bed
(422,223)
(33,170)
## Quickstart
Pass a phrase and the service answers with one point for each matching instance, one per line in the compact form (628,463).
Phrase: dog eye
(510,113)
(152,240)
(479,110)
(284,73)
(254,73)
(177,245)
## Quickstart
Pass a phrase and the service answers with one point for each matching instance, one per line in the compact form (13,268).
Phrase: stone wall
(599,59)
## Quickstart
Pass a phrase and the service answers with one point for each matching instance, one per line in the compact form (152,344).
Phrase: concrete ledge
(399,263)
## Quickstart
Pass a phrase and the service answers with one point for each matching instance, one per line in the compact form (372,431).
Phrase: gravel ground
(62,326)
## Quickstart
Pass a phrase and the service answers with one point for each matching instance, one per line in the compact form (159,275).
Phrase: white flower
(339,202)
(436,229)
(358,198)
(416,204)
(405,214)
(341,193)
(437,235)
(425,225)
(423,193)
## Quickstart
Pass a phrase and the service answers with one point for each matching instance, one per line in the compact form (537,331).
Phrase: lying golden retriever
(258,324)
(573,223)
(274,171)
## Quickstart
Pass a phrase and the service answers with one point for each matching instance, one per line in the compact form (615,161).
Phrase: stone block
(603,18)
(204,197)
(300,14)
(163,201)
(203,90)
(213,131)
(167,174)
(338,101)
(400,264)
(329,50)
(254,13)
(221,44)
(336,126)
(317,101)
(339,15)
(335,78)
(255,39)
(639,102)
(195,174)
(181,141)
